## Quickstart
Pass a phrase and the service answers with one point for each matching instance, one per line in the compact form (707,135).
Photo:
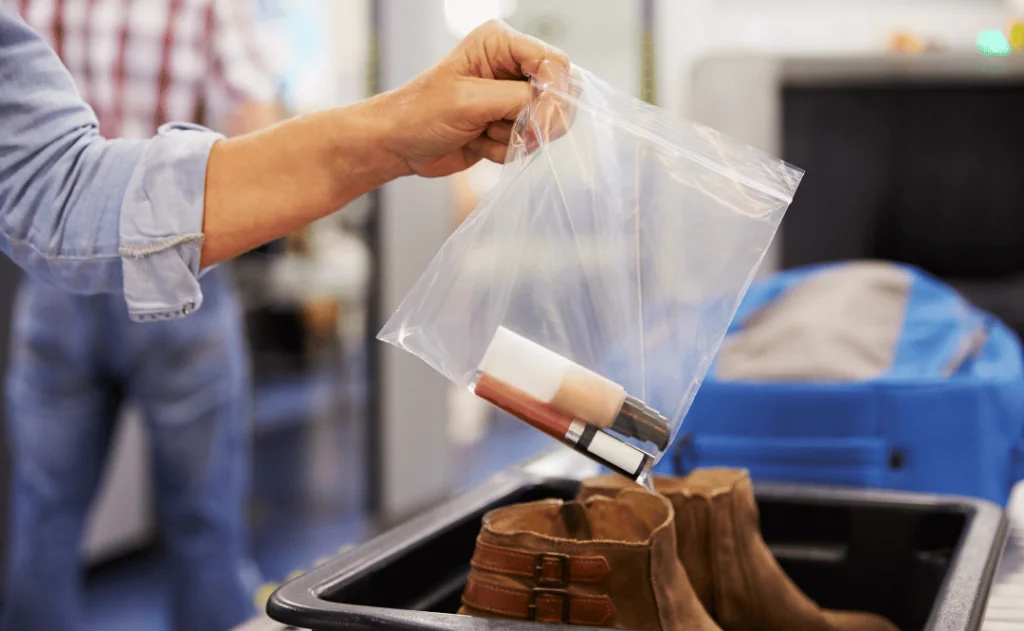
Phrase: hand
(461,110)
(263,185)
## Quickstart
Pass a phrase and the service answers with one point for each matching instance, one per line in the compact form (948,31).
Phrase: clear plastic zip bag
(590,290)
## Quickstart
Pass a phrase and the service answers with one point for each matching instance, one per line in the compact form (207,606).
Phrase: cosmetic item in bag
(587,439)
(569,402)
(572,389)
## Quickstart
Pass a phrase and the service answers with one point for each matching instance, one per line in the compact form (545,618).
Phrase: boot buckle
(563,564)
(531,611)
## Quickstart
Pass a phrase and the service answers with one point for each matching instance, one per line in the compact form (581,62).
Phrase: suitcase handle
(853,461)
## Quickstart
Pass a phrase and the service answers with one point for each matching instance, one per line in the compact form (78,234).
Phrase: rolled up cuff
(161,225)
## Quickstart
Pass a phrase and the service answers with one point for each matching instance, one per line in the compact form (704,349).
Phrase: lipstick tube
(571,389)
(583,437)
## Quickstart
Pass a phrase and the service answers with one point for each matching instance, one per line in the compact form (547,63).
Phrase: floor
(307,494)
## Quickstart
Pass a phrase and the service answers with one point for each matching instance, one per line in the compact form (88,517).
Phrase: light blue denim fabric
(74,360)
(92,215)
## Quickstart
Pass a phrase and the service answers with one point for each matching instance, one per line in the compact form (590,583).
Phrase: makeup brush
(583,437)
(571,389)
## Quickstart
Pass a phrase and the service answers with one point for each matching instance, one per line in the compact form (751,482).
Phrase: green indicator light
(993,43)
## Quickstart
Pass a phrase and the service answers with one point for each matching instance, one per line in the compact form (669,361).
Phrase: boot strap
(549,569)
(543,604)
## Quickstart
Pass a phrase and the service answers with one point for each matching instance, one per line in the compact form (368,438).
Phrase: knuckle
(488,29)
(493,26)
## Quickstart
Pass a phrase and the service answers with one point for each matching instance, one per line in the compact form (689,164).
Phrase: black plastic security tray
(923,561)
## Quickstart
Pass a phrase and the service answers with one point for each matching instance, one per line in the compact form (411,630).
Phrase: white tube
(525,365)
(552,378)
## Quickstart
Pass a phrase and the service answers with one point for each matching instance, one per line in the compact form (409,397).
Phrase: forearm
(252,116)
(85,211)
(264,185)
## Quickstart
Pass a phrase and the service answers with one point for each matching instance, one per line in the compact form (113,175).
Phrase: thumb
(485,101)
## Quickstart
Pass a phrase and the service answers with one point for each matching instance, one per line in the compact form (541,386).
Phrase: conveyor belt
(1006,600)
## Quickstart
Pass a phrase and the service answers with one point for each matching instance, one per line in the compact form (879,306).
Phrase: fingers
(547,65)
(489,149)
(497,50)
(500,131)
(551,115)
(491,105)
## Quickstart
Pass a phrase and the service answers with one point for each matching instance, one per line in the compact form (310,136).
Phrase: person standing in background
(77,358)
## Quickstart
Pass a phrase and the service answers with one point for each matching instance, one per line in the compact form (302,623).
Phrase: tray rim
(298,602)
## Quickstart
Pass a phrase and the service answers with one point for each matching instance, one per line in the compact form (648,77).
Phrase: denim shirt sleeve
(92,215)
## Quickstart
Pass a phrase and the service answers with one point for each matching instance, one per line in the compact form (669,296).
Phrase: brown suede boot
(731,568)
(607,562)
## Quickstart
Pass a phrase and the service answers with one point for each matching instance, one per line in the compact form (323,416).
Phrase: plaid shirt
(141,63)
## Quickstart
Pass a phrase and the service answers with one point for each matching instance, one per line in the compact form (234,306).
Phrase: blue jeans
(74,360)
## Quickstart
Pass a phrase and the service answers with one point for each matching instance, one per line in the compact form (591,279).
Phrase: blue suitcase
(912,427)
